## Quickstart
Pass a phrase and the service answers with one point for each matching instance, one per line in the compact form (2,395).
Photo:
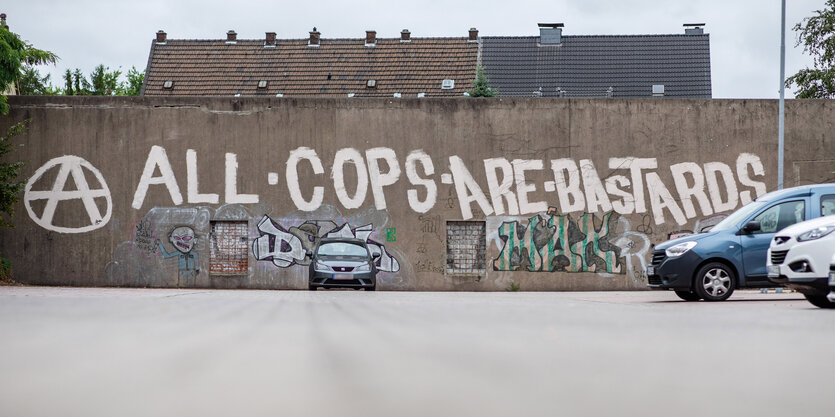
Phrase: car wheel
(714,282)
(312,287)
(688,295)
(819,301)
(371,288)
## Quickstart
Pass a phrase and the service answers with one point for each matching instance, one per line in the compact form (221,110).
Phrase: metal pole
(782,115)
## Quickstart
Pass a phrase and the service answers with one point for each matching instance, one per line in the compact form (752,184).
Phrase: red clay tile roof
(334,69)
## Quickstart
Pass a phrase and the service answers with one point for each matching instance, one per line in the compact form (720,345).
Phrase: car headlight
(816,233)
(363,268)
(680,249)
(321,267)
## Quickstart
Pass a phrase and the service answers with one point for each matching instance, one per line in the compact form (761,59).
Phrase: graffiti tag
(559,243)
(74,166)
(287,247)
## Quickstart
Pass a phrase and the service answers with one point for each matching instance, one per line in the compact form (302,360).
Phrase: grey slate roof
(587,66)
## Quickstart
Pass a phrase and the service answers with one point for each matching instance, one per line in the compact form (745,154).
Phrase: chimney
(3,21)
(269,42)
(161,35)
(405,35)
(550,33)
(473,35)
(370,38)
(231,37)
(693,29)
(314,38)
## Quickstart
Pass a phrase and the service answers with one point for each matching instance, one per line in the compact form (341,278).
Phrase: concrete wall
(570,194)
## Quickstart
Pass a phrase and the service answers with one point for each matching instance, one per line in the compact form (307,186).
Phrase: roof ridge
(648,35)
(321,39)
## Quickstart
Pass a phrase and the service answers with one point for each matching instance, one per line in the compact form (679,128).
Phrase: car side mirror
(376,256)
(751,227)
(309,254)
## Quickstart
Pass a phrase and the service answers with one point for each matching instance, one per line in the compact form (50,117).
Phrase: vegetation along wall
(450,194)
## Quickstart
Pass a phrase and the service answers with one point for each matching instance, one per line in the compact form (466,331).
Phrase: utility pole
(782,115)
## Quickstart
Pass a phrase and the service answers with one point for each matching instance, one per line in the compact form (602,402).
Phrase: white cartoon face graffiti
(183,239)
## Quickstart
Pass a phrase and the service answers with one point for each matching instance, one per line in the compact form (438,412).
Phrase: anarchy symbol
(68,165)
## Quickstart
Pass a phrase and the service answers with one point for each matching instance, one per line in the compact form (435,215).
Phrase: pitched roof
(586,66)
(334,69)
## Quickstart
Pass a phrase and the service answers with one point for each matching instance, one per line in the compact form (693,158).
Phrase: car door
(772,220)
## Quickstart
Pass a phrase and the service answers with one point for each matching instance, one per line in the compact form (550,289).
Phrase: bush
(6,272)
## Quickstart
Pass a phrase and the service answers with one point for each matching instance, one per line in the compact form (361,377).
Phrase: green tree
(817,34)
(481,85)
(104,81)
(133,85)
(31,83)
(76,84)
(14,53)
(9,188)
(68,90)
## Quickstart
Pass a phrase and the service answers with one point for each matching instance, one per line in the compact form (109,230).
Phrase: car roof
(801,191)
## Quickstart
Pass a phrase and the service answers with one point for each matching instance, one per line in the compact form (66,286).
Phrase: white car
(799,258)
(831,296)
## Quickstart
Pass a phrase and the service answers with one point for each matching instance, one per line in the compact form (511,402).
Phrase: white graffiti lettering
(635,165)
(74,166)
(157,158)
(193,193)
(568,187)
(687,192)
(523,187)
(431,188)
(379,179)
(595,193)
(742,163)
(292,175)
(714,186)
(467,189)
(501,190)
(342,157)
(232,196)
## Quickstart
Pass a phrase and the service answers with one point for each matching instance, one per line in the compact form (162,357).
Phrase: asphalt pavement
(147,352)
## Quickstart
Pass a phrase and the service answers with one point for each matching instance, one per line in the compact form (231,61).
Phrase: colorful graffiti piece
(559,243)
(287,247)
(183,239)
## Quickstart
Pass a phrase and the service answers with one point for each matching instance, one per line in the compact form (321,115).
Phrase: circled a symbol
(68,165)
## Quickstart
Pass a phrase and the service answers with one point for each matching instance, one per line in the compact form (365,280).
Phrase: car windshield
(737,216)
(342,249)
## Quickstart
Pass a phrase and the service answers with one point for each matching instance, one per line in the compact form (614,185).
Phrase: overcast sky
(744,34)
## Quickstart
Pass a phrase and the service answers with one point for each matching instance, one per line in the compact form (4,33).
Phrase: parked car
(341,262)
(733,254)
(799,258)
(831,296)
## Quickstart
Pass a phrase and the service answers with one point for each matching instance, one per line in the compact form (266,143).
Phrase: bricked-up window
(466,247)
(229,242)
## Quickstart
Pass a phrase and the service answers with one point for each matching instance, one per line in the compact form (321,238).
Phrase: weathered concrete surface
(732,142)
(135,352)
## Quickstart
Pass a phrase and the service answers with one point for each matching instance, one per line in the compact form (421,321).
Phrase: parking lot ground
(142,352)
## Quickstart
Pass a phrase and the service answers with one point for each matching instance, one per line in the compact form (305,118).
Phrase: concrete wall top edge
(26,101)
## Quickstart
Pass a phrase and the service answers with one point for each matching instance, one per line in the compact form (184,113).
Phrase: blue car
(711,265)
